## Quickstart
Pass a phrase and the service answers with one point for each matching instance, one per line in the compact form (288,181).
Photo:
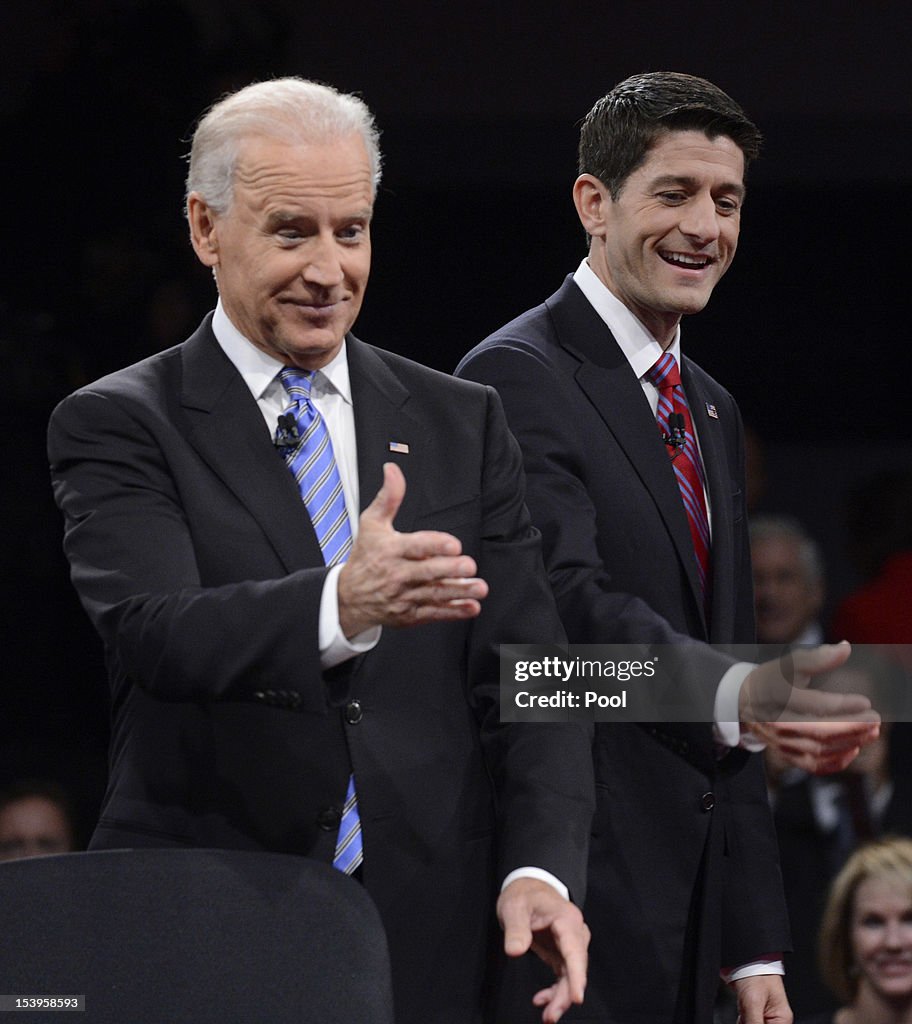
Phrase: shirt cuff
(726,724)
(335,647)
(770,964)
(541,875)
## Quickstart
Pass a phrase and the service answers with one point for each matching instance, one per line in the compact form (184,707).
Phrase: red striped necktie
(676,427)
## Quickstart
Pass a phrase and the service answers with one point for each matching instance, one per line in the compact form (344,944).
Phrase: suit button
(329,818)
(707,801)
(353,712)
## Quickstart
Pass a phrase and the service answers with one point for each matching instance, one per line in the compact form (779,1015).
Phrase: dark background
(478,105)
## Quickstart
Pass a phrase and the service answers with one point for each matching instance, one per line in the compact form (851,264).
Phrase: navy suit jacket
(195,558)
(683,874)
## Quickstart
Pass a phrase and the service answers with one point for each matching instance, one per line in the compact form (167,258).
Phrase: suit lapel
(711,433)
(227,429)
(381,421)
(605,377)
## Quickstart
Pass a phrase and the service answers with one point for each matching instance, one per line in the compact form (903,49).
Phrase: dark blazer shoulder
(562,334)
(169,367)
(692,373)
(371,361)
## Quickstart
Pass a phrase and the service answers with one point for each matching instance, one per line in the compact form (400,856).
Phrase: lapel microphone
(287,434)
(676,438)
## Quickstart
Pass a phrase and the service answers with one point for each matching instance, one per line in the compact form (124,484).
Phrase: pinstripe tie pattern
(312,462)
(685,458)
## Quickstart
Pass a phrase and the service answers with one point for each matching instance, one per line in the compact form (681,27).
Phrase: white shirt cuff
(335,647)
(726,724)
(541,875)
(771,964)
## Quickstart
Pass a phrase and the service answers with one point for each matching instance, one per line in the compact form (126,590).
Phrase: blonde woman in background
(866,937)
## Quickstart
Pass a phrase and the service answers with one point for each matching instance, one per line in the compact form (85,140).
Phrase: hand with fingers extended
(535,916)
(404,579)
(815,730)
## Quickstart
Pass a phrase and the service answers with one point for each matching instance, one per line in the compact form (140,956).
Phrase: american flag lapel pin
(399,446)
(711,409)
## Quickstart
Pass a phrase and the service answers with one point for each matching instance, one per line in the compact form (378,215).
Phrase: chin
(691,304)
(316,348)
(894,988)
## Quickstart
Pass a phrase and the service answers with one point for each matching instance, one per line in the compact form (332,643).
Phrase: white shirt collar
(638,345)
(259,369)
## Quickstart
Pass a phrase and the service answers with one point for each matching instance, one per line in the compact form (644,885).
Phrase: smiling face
(292,252)
(671,234)
(881,937)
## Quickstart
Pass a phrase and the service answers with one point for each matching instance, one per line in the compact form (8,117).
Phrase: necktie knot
(664,372)
(297,383)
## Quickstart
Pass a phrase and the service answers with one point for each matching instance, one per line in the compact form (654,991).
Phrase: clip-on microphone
(286,435)
(677,436)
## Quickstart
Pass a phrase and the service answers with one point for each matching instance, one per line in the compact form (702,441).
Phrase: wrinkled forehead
(269,167)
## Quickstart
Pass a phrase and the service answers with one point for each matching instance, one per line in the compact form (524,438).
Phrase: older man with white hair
(301,553)
(788,581)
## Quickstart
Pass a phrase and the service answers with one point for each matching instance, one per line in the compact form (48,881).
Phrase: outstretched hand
(404,579)
(535,916)
(818,731)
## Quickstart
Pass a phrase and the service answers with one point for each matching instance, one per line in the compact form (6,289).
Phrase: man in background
(301,553)
(35,820)
(788,581)
(635,467)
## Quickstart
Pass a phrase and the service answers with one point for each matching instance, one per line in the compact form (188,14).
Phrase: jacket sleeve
(543,772)
(141,565)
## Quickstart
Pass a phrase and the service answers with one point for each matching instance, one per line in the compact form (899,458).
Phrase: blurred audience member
(866,937)
(822,820)
(35,819)
(788,581)
(879,524)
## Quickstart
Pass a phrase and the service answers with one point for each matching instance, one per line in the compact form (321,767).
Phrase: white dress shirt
(331,396)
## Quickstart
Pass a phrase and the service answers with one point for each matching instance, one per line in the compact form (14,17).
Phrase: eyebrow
(687,181)
(280,217)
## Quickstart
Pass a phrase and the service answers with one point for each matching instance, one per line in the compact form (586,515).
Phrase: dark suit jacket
(683,871)
(195,558)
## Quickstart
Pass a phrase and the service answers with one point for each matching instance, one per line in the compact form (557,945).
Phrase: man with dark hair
(290,671)
(645,540)
(621,128)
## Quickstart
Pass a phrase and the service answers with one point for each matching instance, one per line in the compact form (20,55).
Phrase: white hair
(788,528)
(291,109)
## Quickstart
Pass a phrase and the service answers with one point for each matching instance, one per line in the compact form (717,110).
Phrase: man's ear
(592,201)
(203,229)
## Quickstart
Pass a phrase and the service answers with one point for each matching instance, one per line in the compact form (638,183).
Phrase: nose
(894,935)
(323,266)
(700,219)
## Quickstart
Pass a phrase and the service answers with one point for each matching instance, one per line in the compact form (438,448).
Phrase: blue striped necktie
(308,450)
